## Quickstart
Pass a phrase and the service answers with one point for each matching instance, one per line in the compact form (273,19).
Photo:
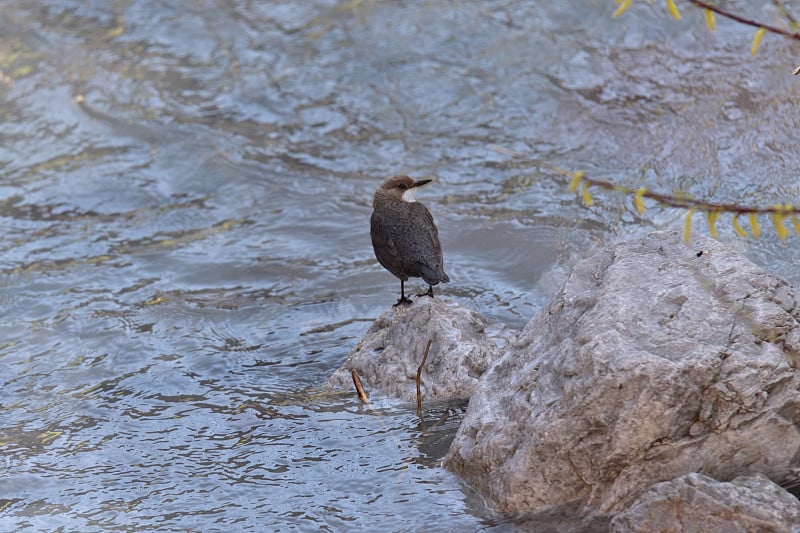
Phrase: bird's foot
(403,301)
(429,293)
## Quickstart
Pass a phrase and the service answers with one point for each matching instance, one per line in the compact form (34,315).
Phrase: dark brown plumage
(404,236)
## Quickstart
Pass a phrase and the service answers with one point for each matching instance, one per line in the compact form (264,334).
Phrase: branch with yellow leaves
(778,213)
(580,181)
(710,9)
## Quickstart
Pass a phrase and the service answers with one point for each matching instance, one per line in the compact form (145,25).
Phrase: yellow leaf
(754,229)
(777,221)
(587,198)
(623,5)
(673,9)
(638,202)
(740,231)
(687,225)
(796,224)
(712,217)
(757,40)
(576,179)
(710,22)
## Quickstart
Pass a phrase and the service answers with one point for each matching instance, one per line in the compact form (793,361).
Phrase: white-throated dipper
(404,237)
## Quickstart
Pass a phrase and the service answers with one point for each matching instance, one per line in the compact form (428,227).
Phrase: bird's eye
(402,186)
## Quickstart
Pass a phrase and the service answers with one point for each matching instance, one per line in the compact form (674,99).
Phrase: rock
(388,356)
(698,503)
(654,361)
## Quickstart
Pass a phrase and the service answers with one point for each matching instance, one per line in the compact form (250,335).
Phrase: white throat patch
(408,195)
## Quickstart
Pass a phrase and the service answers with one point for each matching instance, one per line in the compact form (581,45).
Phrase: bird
(404,237)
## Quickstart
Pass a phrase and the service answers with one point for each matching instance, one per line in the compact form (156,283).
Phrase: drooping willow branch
(778,213)
(579,180)
(710,9)
(743,20)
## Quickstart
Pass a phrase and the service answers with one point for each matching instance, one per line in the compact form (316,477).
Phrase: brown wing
(384,240)
(417,241)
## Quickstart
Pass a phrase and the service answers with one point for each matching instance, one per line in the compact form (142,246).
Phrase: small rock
(700,504)
(652,362)
(389,354)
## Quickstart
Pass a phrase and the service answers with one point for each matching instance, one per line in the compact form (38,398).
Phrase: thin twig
(785,12)
(359,388)
(419,377)
(743,20)
(664,199)
(699,205)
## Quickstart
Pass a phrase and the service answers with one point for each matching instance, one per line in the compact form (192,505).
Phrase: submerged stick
(359,388)
(419,377)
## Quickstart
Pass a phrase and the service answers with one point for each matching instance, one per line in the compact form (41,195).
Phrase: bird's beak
(420,183)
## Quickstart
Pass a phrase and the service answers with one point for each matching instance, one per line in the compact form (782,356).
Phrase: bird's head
(399,189)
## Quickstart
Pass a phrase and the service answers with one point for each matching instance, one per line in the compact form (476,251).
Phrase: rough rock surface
(389,354)
(654,361)
(700,504)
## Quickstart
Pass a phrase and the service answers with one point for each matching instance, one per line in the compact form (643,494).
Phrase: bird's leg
(403,299)
(429,293)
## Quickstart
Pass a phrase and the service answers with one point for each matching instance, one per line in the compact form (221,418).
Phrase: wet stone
(695,502)
(388,356)
(651,363)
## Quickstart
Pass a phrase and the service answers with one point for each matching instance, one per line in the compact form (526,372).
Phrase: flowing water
(185,191)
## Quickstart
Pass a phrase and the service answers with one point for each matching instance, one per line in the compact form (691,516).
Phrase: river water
(185,192)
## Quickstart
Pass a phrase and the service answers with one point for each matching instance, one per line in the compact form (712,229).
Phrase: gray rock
(388,355)
(651,363)
(700,504)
